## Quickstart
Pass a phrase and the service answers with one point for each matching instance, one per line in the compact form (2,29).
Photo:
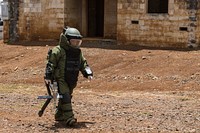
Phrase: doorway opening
(95,18)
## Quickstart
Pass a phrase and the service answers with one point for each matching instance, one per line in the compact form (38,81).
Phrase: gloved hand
(90,77)
(48,81)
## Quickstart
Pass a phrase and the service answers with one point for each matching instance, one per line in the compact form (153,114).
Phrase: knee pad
(66,98)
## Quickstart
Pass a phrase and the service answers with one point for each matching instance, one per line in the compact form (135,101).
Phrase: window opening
(157,6)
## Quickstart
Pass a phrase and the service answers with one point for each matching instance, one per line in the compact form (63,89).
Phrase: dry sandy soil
(135,89)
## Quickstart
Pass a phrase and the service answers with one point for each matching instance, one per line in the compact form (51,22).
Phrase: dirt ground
(135,89)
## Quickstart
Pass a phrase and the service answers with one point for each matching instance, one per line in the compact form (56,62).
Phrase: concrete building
(160,23)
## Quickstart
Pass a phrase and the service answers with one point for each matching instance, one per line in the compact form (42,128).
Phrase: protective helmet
(73,36)
(72,33)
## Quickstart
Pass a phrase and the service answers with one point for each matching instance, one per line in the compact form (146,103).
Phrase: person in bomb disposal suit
(63,65)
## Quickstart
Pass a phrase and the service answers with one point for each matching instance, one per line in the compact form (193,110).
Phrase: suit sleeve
(52,62)
(85,67)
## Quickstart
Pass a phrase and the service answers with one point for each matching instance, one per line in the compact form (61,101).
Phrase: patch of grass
(184,99)
(19,88)
(7,88)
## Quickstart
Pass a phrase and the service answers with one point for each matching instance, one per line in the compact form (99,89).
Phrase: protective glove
(90,77)
(48,81)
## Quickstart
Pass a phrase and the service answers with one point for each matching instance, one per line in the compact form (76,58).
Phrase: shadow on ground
(103,44)
(79,125)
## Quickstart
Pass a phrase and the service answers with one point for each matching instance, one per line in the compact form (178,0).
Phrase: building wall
(127,21)
(197,26)
(137,26)
(44,19)
(40,19)
(110,19)
(73,13)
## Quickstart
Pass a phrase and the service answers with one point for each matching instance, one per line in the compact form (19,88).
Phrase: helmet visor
(76,43)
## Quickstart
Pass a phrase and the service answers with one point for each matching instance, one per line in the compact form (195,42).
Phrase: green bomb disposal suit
(65,63)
